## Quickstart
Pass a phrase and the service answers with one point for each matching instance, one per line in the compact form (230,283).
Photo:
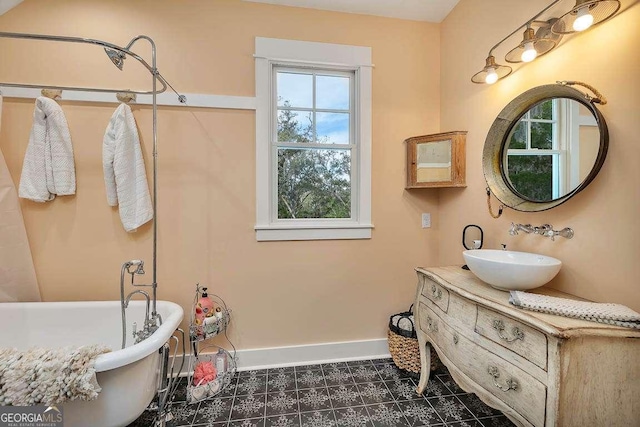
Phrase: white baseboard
(310,354)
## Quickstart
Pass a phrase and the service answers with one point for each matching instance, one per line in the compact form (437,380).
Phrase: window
(313,141)
(535,156)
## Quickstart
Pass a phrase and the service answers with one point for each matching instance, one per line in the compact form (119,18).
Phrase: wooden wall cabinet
(436,161)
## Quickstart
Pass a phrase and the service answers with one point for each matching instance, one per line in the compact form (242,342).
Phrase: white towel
(124,172)
(609,313)
(48,169)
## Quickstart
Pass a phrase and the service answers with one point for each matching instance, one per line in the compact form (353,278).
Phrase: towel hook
(52,93)
(126,97)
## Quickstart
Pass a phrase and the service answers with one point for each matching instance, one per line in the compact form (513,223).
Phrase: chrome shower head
(116,57)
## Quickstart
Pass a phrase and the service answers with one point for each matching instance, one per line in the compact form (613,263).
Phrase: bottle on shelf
(221,361)
(204,309)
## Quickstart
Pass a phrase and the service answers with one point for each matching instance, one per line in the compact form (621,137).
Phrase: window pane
(542,135)
(332,128)
(332,92)
(543,111)
(295,126)
(532,176)
(518,138)
(295,90)
(314,183)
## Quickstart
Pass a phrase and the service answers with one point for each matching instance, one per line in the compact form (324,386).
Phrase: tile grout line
(193,420)
(266,397)
(395,401)
(429,403)
(233,398)
(469,409)
(324,378)
(295,381)
(457,398)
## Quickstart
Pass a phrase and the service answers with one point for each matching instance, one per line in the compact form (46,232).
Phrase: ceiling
(416,10)
(6,5)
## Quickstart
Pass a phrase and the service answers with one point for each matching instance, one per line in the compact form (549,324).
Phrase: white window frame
(558,152)
(273,53)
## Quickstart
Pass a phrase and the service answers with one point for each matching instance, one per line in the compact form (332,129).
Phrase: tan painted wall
(281,293)
(600,262)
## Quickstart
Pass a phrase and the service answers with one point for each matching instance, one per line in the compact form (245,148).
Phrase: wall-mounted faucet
(545,230)
(515,228)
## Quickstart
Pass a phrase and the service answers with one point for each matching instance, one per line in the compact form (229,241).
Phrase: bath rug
(609,313)
(48,376)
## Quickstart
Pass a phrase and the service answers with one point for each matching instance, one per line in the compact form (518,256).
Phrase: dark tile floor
(369,393)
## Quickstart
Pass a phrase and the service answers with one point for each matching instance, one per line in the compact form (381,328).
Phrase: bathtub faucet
(145,332)
(151,323)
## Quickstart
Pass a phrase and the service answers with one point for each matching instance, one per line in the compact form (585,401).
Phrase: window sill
(267,233)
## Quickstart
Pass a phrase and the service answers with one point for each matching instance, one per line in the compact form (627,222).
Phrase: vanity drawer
(513,335)
(429,322)
(436,294)
(508,383)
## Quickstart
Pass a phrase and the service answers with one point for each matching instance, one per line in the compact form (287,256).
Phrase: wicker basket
(403,343)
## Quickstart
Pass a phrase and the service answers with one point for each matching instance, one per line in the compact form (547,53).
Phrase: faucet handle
(134,330)
(513,230)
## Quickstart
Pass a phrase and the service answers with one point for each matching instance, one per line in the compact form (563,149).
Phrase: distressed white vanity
(539,369)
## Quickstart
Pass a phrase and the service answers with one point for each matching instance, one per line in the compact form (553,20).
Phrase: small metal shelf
(210,328)
(200,390)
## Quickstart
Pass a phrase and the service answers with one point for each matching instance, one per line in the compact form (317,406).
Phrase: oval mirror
(545,146)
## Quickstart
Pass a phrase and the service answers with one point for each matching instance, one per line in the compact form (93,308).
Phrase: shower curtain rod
(106,45)
(117,55)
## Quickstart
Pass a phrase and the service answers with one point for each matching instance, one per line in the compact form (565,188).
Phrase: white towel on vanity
(48,169)
(124,172)
(609,313)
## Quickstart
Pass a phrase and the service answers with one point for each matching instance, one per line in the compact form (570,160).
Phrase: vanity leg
(425,348)
(425,365)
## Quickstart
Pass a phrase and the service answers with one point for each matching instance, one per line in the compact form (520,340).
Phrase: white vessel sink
(510,270)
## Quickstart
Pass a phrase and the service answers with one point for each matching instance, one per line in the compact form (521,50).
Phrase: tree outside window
(314,144)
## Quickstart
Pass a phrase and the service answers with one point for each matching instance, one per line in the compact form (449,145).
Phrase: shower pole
(154,80)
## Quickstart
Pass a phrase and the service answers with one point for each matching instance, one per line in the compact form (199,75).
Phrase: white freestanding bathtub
(128,377)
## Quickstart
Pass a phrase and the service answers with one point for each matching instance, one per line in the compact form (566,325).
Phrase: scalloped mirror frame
(492,157)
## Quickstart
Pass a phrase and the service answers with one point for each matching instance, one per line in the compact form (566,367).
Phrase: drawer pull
(510,384)
(498,325)
(431,325)
(436,292)
(455,338)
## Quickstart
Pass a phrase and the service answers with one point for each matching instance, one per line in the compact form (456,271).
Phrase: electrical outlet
(426,220)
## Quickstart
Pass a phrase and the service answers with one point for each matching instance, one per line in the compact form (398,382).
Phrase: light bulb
(492,76)
(529,53)
(584,19)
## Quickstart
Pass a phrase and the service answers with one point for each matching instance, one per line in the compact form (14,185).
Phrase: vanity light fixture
(585,14)
(492,72)
(535,43)
(530,48)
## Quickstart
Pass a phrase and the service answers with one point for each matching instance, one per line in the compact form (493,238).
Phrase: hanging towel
(124,173)
(17,274)
(612,314)
(48,169)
